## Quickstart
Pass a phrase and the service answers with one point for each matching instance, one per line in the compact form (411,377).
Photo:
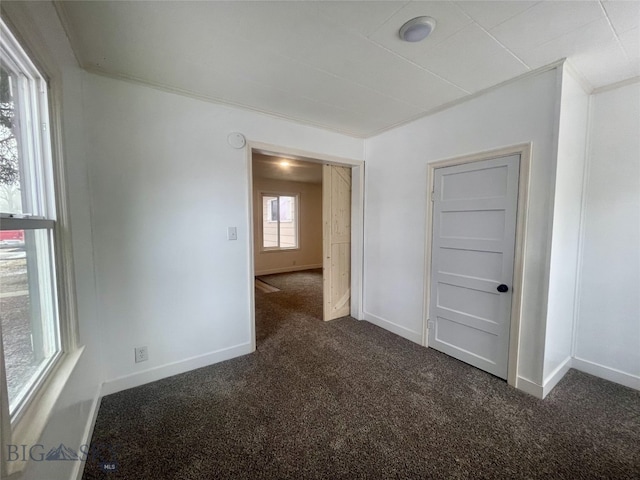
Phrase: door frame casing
(524,150)
(357,218)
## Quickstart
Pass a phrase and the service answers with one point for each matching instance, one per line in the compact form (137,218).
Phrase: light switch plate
(232,233)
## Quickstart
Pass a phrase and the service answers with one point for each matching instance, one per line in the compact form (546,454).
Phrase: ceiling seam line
(386,20)
(462,10)
(362,85)
(353,82)
(372,89)
(613,30)
(502,45)
(573,30)
(516,15)
(420,66)
(472,96)
(313,100)
(320,102)
(568,33)
(434,43)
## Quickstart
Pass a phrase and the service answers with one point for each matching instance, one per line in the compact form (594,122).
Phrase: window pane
(273,210)
(269,221)
(10,174)
(27,309)
(288,223)
(286,204)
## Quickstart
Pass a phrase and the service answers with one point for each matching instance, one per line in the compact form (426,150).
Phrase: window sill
(280,250)
(29,428)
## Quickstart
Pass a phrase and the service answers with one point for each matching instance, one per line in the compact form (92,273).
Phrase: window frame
(45,369)
(29,422)
(296,196)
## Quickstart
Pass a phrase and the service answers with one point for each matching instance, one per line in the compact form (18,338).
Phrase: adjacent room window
(29,325)
(279,221)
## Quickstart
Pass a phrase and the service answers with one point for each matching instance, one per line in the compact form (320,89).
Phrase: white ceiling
(340,65)
(280,168)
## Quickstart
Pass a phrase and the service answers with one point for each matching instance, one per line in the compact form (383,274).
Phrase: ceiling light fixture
(284,163)
(417,29)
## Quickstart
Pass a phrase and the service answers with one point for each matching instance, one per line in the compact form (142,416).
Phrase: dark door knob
(503,288)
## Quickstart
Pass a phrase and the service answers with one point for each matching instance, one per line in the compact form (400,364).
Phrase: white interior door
(474,227)
(336,243)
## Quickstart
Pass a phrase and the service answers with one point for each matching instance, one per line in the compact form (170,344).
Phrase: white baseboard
(530,387)
(394,328)
(292,268)
(555,376)
(88,432)
(608,373)
(175,368)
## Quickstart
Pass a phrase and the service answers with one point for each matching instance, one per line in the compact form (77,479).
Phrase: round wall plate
(236,140)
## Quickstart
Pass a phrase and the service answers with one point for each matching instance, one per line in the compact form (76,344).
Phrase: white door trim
(357,218)
(524,150)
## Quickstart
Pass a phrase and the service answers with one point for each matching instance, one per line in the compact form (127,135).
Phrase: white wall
(165,186)
(396,199)
(607,339)
(309,253)
(572,139)
(148,173)
(38,26)
(153,185)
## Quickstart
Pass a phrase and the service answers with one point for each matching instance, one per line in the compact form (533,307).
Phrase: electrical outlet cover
(141,354)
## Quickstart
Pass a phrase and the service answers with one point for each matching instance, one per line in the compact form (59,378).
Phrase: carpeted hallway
(346,399)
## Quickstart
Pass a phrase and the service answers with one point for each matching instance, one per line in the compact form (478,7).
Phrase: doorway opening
(306,249)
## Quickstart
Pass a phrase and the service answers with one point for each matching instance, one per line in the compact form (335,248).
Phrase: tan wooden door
(336,213)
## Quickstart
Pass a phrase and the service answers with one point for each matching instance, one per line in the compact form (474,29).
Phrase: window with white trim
(30,327)
(279,221)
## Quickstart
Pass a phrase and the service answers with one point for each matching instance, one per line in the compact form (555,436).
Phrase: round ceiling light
(417,29)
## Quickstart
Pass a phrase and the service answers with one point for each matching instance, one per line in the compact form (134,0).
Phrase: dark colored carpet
(345,400)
